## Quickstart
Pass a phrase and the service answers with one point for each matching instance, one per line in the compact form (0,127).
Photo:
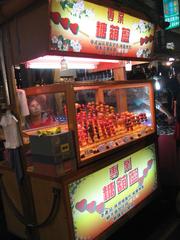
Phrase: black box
(54,148)
(49,159)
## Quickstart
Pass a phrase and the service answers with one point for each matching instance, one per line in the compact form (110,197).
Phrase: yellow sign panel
(101,198)
(84,27)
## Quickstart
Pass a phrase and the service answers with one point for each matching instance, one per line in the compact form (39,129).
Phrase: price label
(111,144)
(88,152)
(120,142)
(126,139)
(102,148)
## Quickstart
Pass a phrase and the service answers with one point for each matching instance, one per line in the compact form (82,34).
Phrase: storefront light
(157,85)
(171,59)
(168,63)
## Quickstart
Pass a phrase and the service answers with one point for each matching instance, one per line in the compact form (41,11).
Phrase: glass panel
(47,114)
(110,97)
(139,103)
(85,96)
(108,118)
(48,142)
(131,101)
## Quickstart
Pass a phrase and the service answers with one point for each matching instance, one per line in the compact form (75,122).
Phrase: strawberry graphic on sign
(91,207)
(81,206)
(74,28)
(55,17)
(100,207)
(146,39)
(65,23)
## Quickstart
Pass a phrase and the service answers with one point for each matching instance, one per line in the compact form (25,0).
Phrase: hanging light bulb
(64,65)
(128,66)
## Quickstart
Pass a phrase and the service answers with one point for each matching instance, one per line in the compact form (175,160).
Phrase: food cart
(99,154)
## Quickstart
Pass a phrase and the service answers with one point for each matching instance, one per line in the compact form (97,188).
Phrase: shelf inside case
(111,116)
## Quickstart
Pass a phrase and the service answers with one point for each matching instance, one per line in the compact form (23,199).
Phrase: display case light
(36,65)
(81,66)
(43,65)
(90,60)
(54,62)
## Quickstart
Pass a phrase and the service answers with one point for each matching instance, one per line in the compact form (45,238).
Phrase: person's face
(34,108)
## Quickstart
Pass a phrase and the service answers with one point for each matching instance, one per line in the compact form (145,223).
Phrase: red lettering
(109,191)
(101,29)
(110,14)
(114,33)
(114,172)
(121,17)
(125,35)
(127,165)
(133,176)
(122,184)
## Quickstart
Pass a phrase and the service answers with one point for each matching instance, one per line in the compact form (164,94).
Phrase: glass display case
(111,115)
(48,140)
(90,119)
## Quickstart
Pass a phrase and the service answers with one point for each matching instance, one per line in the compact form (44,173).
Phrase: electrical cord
(52,214)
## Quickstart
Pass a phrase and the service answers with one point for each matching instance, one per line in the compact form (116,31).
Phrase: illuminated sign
(98,200)
(84,27)
(171,13)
